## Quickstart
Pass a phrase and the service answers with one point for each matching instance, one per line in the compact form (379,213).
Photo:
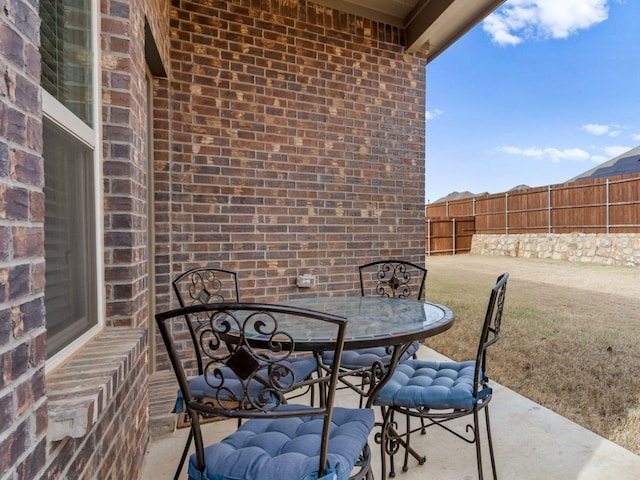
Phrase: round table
(372,321)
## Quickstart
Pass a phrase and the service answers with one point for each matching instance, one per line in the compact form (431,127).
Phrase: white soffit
(431,26)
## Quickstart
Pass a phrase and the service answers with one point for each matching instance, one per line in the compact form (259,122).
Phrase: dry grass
(573,350)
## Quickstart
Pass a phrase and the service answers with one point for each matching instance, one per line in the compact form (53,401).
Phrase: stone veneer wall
(600,248)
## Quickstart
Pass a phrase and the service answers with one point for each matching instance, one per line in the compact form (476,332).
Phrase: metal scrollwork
(393,281)
(374,375)
(390,435)
(261,376)
(500,305)
(210,331)
(205,287)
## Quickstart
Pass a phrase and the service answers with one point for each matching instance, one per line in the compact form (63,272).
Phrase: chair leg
(393,447)
(391,441)
(383,439)
(184,455)
(490,442)
(476,435)
(385,449)
(405,441)
(407,446)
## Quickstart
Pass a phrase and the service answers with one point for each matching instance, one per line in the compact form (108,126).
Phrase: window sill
(80,390)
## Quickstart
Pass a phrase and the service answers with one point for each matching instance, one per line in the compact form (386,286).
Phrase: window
(66,46)
(69,240)
(72,217)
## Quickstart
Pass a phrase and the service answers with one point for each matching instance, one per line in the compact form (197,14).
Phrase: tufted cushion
(364,357)
(436,385)
(302,368)
(287,448)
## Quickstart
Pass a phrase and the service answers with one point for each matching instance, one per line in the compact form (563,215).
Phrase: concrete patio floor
(530,441)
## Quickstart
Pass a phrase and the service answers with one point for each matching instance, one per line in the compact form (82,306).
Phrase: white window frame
(56,112)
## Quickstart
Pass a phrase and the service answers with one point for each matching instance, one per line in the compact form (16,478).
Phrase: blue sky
(540,92)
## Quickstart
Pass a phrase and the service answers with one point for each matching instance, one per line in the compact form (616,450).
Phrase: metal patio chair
(438,392)
(387,278)
(246,356)
(200,286)
(203,286)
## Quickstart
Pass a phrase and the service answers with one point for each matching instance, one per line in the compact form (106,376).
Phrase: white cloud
(636,136)
(520,20)
(431,114)
(554,154)
(557,155)
(525,152)
(597,129)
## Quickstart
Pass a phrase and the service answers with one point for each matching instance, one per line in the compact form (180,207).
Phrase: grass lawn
(571,336)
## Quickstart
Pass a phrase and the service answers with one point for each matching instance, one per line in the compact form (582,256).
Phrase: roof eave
(433,27)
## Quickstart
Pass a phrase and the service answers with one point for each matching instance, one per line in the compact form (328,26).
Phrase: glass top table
(372,321)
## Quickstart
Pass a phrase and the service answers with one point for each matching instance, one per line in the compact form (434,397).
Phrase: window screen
(69,237)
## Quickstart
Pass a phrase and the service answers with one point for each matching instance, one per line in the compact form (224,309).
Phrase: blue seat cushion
(302,368)
(364,357)
(435,385)
(287,448)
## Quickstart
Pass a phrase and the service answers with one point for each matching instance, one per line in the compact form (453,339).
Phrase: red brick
(28,242)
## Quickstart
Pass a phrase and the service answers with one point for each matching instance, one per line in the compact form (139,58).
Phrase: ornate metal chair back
(393,278)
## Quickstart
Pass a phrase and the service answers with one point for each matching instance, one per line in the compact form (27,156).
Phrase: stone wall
(599,248)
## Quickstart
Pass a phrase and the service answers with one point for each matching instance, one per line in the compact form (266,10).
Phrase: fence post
(454,236)
(549,209)
(607,207)
(506,213)
(428,237)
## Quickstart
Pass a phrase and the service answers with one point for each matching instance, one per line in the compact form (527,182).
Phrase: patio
(531,442)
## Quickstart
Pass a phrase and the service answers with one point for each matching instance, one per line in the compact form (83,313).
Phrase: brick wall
(114,439)
(125,168)
(289,139)
(157,14)
(125,163)
(22,334)
(116,434)
(107,381)
(297,145)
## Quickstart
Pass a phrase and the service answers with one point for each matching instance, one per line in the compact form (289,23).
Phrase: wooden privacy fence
(446,236)
(587,206)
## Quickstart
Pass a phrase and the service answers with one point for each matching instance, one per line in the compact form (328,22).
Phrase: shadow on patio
(531,442)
